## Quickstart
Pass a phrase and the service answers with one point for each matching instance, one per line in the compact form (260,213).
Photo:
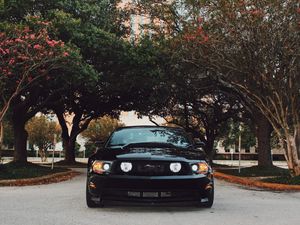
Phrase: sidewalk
(248,163)
(235,163)
(38,160)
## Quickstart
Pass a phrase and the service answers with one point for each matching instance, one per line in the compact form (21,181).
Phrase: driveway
(64,204)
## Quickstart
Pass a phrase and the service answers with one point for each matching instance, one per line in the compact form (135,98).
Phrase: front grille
(159,196)
(152,168)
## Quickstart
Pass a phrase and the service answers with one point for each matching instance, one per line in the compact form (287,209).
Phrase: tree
(42,133)
(126,80)
(232,130)
(30,60)
(8,137)
(101,128)
(103,14)
(188,27)
(79,22)
(254,48)
(204,114)
(26,57)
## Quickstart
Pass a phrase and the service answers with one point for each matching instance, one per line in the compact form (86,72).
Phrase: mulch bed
(52,178)
(250,182)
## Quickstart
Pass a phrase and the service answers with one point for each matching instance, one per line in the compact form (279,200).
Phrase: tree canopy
(42,133)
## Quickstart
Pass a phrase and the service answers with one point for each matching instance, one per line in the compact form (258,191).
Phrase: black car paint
(115,185)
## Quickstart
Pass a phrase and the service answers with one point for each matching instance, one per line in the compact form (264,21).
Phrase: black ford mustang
(149,164)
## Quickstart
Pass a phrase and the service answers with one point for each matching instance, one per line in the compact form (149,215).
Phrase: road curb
(255,183)
(48,179)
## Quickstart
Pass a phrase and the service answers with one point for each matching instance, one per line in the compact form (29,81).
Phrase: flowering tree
(30,58)
(253,48)
(26,56)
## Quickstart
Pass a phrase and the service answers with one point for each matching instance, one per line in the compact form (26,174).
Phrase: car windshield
(123,137)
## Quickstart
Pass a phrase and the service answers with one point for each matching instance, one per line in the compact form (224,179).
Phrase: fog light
(92,185)
(208,187)
(106,166)
(175,167)
(126,166)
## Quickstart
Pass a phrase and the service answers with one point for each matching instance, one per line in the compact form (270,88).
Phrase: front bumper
(150,189)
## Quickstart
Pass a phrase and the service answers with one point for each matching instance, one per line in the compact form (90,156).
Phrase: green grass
(256,171)
(284,180)
(14,170)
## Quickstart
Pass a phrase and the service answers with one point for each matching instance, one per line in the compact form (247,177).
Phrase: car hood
(148,153)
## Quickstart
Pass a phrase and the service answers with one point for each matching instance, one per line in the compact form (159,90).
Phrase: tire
(210,197)
(90,203)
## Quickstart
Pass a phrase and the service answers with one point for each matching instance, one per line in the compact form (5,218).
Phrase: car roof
(149,126)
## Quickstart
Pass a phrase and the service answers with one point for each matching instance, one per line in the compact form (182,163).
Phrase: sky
(131,119)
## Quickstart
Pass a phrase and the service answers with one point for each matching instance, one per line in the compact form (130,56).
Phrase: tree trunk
(1,137)
(69,139)
(43,154)
(69,148)
(68,142)
(209,149)
(292,155)
(20,140)
(263,134)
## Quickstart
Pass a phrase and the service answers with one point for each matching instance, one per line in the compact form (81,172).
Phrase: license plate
(150,194)
(165,194)
(134,194)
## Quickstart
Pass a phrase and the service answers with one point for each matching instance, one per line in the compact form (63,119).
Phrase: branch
(152,121)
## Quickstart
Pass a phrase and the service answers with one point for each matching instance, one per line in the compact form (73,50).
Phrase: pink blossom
(2,51)
(45,23)
(51,43)
(26,29)
(11,61)
(37,46)
(19,40)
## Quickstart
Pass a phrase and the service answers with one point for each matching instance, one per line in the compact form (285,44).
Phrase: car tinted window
(172,136)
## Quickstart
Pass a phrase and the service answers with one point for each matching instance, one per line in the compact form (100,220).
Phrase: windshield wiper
(116,145)
(150,144)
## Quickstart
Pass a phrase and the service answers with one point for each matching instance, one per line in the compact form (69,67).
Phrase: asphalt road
(64,204)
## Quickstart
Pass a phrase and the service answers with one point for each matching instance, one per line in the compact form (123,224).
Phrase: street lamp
(54,144)
(240,146)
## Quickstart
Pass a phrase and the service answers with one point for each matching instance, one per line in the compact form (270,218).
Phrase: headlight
(100,166)
(195,168)
(126,166)
(200,168)
(175,167)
